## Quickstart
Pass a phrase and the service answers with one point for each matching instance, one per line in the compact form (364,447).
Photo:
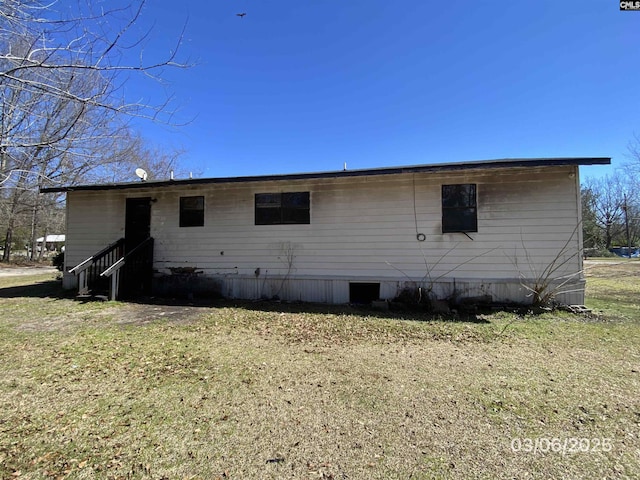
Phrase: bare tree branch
(63,112)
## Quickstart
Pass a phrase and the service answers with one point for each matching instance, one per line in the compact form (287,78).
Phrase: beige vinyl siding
(361,227)
(93,222)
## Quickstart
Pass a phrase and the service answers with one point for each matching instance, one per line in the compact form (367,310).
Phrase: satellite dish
(141,173)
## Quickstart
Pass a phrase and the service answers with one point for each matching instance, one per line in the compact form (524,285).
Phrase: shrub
(58,261)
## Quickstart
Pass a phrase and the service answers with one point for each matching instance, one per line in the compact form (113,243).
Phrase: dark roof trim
(437,167)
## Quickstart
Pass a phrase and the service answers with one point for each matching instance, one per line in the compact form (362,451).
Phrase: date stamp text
(562,446)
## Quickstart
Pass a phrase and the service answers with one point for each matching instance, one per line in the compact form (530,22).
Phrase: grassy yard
(113,390)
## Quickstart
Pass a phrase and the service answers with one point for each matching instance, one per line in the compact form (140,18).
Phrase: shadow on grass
(267,306)
(53,289)
(47,289)
(406,313)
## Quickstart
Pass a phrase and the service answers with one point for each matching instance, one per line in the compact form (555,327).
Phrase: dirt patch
(106,313)
(140,314)
(18,271)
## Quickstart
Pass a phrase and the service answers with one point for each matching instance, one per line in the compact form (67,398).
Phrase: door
(137,222)
(136,275)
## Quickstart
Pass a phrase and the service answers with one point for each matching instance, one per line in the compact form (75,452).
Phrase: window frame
(460,218)
(282,208)
(191,217)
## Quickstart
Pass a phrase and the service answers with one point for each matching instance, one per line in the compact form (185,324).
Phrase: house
(51,243)
(506,230)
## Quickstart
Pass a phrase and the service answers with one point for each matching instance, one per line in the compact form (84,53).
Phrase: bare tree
(45,37)
(604,199)
(63,113)
(632,168)
(133,151)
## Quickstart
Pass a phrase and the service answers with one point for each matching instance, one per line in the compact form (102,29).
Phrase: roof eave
(439,167)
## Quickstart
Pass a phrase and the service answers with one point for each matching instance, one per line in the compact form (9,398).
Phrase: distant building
(52,243)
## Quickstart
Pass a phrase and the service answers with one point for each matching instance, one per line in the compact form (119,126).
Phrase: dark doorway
(135,279)
(137,222)
(363,293)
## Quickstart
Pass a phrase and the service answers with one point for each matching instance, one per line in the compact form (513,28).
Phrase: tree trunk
(34,229)
(43,246)
(608,237)
(6,255)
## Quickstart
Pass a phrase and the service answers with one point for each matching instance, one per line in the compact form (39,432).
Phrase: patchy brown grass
(111,390)
(613,288)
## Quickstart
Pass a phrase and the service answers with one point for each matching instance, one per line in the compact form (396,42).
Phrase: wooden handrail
(82,266)
(94,258)
(120,263)
(114,270)
(88,269)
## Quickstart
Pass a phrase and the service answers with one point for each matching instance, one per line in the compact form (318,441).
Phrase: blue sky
(306,85)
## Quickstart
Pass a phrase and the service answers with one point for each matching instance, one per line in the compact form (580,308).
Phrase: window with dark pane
(282,208)
(192,211)
(459,208)
(268,208)
(295,207)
